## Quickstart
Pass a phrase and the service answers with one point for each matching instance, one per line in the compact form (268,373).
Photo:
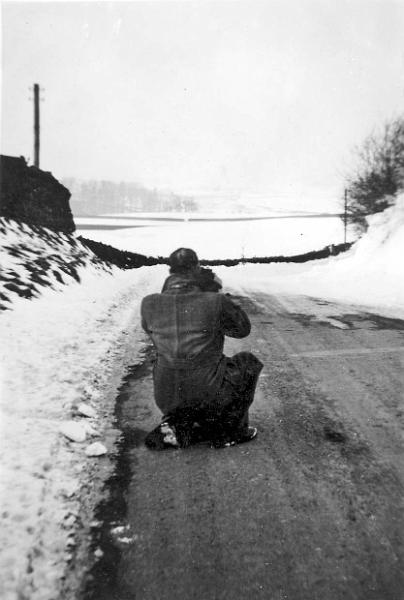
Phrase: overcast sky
(250,96)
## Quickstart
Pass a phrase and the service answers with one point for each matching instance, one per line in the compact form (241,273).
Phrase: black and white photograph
(202,300)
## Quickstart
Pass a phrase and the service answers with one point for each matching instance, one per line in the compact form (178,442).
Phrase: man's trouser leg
(227,416)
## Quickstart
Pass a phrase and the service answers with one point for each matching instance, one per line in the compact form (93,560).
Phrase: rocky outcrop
(33,196)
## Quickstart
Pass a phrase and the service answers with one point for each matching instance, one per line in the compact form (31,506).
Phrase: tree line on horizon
(94,197)
(372,185)
(378,176)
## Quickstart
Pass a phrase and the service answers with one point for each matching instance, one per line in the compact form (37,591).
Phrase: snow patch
(96,449)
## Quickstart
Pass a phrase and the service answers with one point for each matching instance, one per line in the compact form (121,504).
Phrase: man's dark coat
(188,327)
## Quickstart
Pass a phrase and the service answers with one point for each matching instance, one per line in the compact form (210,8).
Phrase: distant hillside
(93,197)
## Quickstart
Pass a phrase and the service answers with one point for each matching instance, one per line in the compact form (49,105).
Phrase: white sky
(260,97)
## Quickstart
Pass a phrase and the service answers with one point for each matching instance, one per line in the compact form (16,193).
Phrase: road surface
(310,510)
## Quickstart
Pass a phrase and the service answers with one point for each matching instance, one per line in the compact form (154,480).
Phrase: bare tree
(379,175)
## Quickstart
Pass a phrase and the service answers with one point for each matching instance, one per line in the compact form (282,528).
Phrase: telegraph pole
(36,125)
(345,212)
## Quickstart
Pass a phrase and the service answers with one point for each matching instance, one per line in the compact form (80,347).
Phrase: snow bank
(370,274)
(33,258)
(58,350)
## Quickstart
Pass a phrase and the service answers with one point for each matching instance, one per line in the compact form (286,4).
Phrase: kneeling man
(201,393)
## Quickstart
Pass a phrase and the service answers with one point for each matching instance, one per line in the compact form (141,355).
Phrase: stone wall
(33,196)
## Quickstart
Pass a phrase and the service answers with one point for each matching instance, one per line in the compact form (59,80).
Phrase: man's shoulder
(151,297)
(151,300)
(212,301)
(209,297)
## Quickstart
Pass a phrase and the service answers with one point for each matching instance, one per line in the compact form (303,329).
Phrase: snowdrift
(370,274)
(372,271)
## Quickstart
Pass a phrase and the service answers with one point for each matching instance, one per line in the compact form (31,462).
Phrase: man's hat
(183,259)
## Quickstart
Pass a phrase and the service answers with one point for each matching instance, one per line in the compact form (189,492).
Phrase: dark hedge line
(131,260)
(121,258)
(331,250)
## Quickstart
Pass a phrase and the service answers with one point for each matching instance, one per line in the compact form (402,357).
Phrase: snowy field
(219,239)
(72,343)
(370,274)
